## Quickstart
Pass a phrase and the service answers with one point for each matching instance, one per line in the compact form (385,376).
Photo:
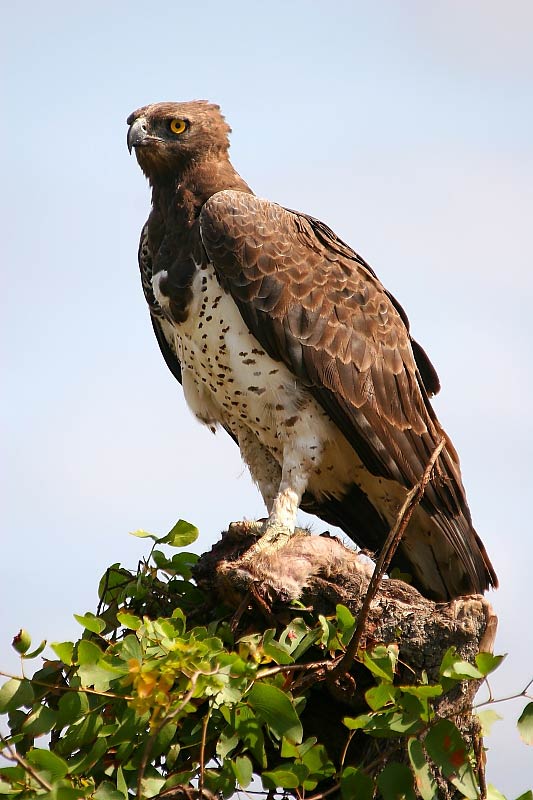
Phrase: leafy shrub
(158,694)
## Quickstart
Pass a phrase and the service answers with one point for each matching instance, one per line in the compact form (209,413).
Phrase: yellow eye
(178,125)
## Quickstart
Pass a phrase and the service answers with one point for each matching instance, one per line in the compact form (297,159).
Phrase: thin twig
(387,552)
(480,763)
(493,700)
(345,749)
(14,756)
(65,688)
(202,754)
(327,793)
(267,673)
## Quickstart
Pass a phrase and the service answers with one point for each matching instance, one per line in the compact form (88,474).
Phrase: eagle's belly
(229,380)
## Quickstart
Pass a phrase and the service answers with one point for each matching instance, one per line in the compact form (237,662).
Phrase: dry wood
(321,572)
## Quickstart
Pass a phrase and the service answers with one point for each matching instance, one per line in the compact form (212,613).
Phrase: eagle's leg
(264,469)
(301,453)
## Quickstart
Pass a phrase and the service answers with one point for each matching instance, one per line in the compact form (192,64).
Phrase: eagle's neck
(181,197)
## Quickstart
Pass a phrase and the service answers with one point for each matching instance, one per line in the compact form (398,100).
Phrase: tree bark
(320,572)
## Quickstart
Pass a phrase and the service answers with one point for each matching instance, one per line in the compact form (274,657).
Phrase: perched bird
(281,334)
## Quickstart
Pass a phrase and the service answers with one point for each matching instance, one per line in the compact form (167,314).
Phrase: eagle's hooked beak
(137,133)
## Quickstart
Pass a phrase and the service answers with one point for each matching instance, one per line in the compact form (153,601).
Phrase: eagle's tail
(444,556)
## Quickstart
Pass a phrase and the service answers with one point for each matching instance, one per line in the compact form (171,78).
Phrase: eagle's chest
(228,378)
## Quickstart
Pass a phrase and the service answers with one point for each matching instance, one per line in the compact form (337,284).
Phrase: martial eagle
(281,334)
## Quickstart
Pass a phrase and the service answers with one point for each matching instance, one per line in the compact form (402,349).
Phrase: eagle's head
(169,137)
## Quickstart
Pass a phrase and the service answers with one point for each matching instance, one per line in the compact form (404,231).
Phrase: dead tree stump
(321,572)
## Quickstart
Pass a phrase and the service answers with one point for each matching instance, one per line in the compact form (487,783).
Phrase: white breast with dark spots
(229,379)
(227,376)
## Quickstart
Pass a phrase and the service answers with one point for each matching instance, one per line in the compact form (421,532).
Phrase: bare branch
(387,552)
(12,755)
(202,753)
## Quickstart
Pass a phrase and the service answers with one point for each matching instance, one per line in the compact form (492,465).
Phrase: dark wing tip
(428,373)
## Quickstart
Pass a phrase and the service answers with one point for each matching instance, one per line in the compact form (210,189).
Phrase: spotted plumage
(284,336)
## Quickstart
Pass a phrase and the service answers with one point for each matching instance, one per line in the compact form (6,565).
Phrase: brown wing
(156,315)
(313,303)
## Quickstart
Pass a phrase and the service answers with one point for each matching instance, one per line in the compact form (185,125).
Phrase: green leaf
(456,669)
(80,733)
(526,796)
(113,584)
(276,710)
(62,792)
(13,774)
(129,620)
(220,781)
(494,794)
(85,761)
(227,742)
(151,786)
(63,651)
(289,750)
(100,675)
(423,692)
(182,563)
(344,616)
(285,777)
(487,663)
(355,783)
(107,791)
(248,728)
(131,648)
(14,694)
(122,786)
(424,783)
(381,695)
(305,643)
(36,652)
(487,719)
(71,706)
(88,652)
(242,767)
(45,760)
(446,747)
(390,723)
(396,783)
(181,535)
(525,724)
(293,634)
(42,720)
(164,738)
(144,535)
(317,761)
(279,653)
(160,559)
(462,670)
(381,661)
(90,622)
(357,723)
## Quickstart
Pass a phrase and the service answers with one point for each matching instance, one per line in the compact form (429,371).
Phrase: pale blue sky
(407,127)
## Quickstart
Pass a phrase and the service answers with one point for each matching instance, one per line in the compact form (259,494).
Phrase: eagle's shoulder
(290,257)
